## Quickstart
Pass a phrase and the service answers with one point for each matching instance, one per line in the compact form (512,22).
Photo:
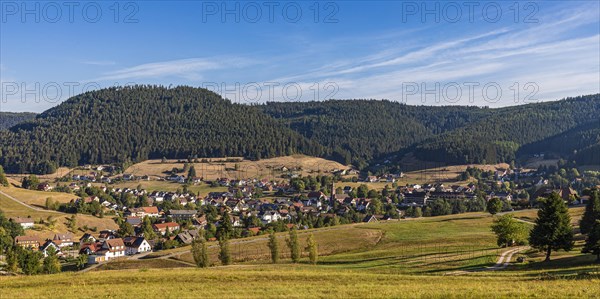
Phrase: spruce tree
(552,229)
(592,212)
(592,242)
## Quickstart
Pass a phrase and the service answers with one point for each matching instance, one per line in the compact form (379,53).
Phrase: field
(426,257)
(392,261)
(266,168)
(444,174)
(300,281)
(34,201)
(37,198)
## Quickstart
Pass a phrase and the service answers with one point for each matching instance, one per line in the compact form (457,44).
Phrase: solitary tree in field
(200,252)
(294,245)
(509,231)
(51,222)
(191,173)
(273,247)
(311,246)
(591,214)
(224,254)
(552,229)
(3,180)
(72,223)
(494,206)
(592,242)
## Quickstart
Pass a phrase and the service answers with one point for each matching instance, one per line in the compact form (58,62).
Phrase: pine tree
(592,242)
(3,179)
(200,252)
(226,228)
(294,245)
(273,247)
(311,247)
(552,229)
(191,173)
(224,254)
(591,214)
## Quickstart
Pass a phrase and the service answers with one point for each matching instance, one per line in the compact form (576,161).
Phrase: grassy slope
(13,209)
(289,282)
(264,168)
(409,260)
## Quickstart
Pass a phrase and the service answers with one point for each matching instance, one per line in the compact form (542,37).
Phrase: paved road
(28,206)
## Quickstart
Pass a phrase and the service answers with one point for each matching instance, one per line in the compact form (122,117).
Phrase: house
(162,227)
(143,211)
(182,214)
(24,222)
(135,245)
(114,248)
(86,238)
(416,198)
(270,216)
(188,236)
(44,187)
(128,177)
(106,235)
(27,242)
(50,244)
(134,221)
(63,240)
(370,219)
(90,248)
(316,196)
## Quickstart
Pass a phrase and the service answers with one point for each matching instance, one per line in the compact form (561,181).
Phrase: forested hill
(498,137)
(132,124)
(118,125)
(9,119)
(367,129)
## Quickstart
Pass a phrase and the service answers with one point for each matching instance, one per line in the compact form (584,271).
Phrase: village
(158,220)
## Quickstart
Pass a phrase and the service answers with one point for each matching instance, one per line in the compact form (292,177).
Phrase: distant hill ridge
(132,124)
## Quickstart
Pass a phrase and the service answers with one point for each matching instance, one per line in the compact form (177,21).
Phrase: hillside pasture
(263,169)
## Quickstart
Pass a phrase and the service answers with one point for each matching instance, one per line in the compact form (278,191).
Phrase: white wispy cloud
(99,62)
(189,69)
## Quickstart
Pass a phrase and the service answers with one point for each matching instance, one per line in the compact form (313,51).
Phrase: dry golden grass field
(34,207)
(265,168)
(410,258)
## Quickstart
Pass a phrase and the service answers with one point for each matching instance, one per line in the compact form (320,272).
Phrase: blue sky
(349,50)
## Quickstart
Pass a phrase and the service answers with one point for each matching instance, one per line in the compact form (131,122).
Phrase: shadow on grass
(560,265)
